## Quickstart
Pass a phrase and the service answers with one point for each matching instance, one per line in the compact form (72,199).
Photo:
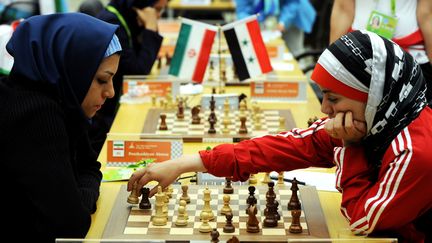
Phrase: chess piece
(145,202)
(181,219)
(243,128)
(180,110)
(195,114)
(226,108)
(133,197)
(212,122)
(229,227)
(214,236)
(281,178)
(226,208)
(163,126)
(243,107)
(168,97)
(270,219)
(159,219)
(205,226)
(207,208)
(295,226)
(184,204)
(225,129)
(266,178)
(252,225)
(252,179)
(185,195)
(294,202)
(212,103)
(251,200)
(228,189)
(233,240)
(281,127)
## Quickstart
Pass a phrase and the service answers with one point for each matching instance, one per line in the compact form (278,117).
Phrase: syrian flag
(192,50)
(247,48)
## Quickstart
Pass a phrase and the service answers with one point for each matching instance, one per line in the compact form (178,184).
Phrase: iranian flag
(247,48)
(192,50)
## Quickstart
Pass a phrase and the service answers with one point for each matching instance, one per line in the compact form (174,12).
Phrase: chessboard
(269,124)
(128,221)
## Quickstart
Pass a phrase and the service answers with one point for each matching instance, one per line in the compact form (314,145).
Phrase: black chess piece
(180,110)
(251,200)
(252,225)
(214,236)
(163,126)
(295,226)
(233,239)
(212,103)
(145,202)
(270,219)
(243,128)
(229,227)
(195,114)
(212,129)
(228,189)
(294,202)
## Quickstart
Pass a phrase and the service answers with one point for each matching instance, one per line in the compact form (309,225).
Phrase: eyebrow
(325,91)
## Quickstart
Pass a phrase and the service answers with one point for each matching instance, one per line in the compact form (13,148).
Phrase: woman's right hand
(165,173)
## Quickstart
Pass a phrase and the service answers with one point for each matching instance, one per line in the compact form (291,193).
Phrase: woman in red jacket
(377,134)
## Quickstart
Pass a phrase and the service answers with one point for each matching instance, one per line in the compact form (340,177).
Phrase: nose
(109,91)
(326,108)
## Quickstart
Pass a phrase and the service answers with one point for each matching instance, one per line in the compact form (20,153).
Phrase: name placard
(278,90)
(126,152)
(138,89)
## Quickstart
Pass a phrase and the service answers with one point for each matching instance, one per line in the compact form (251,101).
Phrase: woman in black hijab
(62,74)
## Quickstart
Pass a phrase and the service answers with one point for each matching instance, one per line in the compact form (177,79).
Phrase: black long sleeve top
(50,174)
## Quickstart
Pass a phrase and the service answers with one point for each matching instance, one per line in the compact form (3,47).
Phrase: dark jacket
(51,177)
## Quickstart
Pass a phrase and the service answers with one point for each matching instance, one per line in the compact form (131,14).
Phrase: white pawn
(226,208)
(181,219)
(205,226)
(184,203)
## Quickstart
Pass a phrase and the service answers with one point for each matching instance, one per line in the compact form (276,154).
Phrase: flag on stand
(192,51)
(247,48)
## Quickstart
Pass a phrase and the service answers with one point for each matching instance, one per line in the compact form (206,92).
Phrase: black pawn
(229,227)
(228,189)
(214,236)
(145,202)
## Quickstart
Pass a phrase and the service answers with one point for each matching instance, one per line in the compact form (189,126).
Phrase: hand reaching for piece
(344,127)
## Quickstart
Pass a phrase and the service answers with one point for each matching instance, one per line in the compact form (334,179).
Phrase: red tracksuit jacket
(402,192)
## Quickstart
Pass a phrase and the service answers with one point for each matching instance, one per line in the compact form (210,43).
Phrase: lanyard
(122,21)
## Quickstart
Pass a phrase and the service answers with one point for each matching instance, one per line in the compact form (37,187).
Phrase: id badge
(381,24)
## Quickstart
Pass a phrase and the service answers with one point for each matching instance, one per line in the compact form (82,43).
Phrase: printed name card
(278,90)
(127,152)
(139,89)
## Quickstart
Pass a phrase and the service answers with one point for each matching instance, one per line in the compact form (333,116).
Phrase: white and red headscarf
(366,67)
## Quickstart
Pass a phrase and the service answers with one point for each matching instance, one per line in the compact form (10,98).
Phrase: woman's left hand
(344,127)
